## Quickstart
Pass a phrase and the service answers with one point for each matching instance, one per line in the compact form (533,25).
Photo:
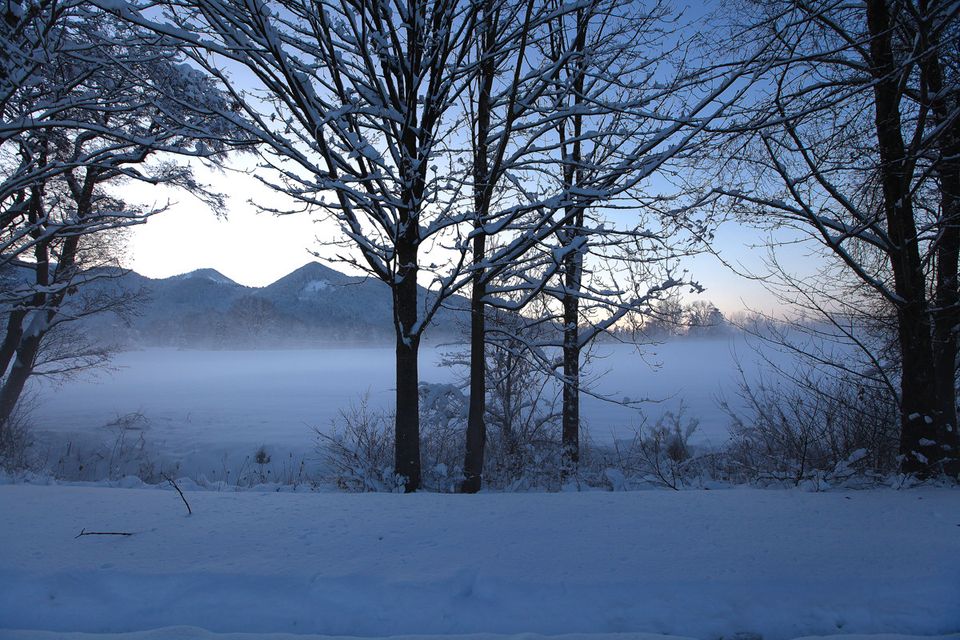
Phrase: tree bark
(921,417)
(570,430)
(25,345)
(407,423)
(23,348)
(947,319)
(16,380)
(407,426)
(476,419)
(946,316)
(573,266)
(11,338)
(477,409)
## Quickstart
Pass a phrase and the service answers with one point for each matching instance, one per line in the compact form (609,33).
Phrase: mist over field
(206,409)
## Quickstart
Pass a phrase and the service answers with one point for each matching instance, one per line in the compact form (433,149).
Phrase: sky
(255,248)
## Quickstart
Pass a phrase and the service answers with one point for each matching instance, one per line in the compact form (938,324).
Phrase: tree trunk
(16,380)
(570,432)
(921,417)
(11,338)
(947,317)
(946,294)
(407,424)
(7,350)
(28,347)
(573,266)
(16,346)
(476,418)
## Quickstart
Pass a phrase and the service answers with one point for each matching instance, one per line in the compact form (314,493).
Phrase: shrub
(358,450)
(124,453)
(15,440)
(661,455)
(810,426)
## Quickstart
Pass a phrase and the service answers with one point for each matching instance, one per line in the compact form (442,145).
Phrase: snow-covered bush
(814,425)
(523,423)
(522,445)
(661,455)
(443,415)
(358,450)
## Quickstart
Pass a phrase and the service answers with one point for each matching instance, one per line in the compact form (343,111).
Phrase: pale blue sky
(256,249)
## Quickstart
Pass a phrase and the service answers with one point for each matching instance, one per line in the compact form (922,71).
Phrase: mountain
(318,295)
(313,305)
(205,274)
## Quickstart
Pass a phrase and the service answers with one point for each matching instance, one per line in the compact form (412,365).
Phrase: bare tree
(703,318)
(854,141)
(605,123)
(361,114)
(70,73)
(96,100)
(665,318)
(496,115)
(354,103)
(620,123)
(359,104)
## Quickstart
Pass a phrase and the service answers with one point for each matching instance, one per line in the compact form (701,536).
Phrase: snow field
(702,564)
(194,633)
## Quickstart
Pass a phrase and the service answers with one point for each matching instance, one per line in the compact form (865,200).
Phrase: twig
(182,497)
(84,532)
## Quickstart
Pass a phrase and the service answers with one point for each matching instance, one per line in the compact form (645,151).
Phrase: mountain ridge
(312,305)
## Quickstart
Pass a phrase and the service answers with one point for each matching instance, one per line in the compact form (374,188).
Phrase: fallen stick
(84,532)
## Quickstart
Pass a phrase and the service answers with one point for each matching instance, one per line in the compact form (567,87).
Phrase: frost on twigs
(660,454)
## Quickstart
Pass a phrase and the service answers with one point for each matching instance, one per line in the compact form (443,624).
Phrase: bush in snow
(118,450)
(661,455)
(523,421)
(358,450)
(815,425)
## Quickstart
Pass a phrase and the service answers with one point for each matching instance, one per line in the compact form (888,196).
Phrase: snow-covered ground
(300,565)
(703,564)
(211,410)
